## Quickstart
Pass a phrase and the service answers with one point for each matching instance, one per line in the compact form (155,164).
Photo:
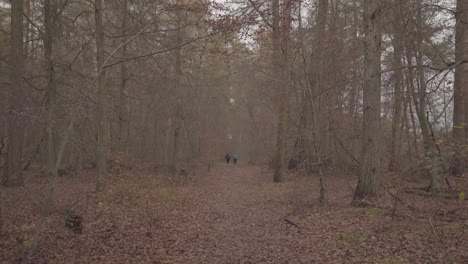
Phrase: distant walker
(228,158)
(234,158)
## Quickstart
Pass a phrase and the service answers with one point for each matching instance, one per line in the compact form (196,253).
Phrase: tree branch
(262,15)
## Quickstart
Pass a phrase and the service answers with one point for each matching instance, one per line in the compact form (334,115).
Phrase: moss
(454,260)
(393,260)
(24,234)
(452,228)
(446,194)
(152,185)
(370,211)
(167,195)
(355,238)
(393,231)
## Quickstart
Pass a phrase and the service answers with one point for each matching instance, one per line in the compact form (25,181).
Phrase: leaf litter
(229,215)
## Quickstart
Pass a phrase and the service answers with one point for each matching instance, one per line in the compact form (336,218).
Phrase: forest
(233,131)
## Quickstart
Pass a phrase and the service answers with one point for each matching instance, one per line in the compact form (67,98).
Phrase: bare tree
(398,92)
(13,168)
(49,8)
(177,89)
(281,89)
(102,120)
(368,185)
(121,105)
(320,83)
(460,106)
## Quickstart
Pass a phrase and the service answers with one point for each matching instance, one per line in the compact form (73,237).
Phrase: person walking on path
(234,158)
(228,158)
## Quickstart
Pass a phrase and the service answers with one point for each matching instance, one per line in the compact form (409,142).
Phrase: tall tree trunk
(462,17)
(285,24)
(321,83)
(353,96)
(419,97)
(397,91)
(102,120)
(121,109)
(420,102)
(178,95)
(27,28)
(369,178)
(51,86)
(316,142)
(356,74)
(300,151)
(281,90)
(459,96)
(405,128)
(276,55)
(459,111)
(409,97)
(16,123)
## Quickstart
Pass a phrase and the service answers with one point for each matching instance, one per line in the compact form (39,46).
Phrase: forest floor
(230,215)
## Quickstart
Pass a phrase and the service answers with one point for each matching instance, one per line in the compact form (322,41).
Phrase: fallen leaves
(231,215)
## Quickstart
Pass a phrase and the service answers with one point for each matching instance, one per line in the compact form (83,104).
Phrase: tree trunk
(369,178)
(353,96)
(279,86)
(16,123)
(462,17)
(300,151)
(286,69)
(27,29)
(101,98)
(419,99)
(121,109)
(459,111)
(397,92)
(321,83)
(51,86)
(178,95)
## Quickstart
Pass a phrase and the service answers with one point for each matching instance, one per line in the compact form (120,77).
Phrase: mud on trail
(230,215)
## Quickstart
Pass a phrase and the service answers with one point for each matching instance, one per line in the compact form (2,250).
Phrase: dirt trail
(237,215)
(230,215)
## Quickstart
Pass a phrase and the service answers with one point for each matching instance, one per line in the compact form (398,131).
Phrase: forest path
(235,215)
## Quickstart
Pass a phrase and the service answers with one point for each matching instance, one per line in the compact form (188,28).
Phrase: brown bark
(420,102)
(51,86)
(121,106)
(280,88)
(397,42)
(460,107)
(321,84)
(369,178)
(178,96)
(458,111)
(353,96)
(463,22)
(16,123)
(103,137)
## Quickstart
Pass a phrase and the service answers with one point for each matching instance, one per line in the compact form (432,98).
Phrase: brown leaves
(232,215)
